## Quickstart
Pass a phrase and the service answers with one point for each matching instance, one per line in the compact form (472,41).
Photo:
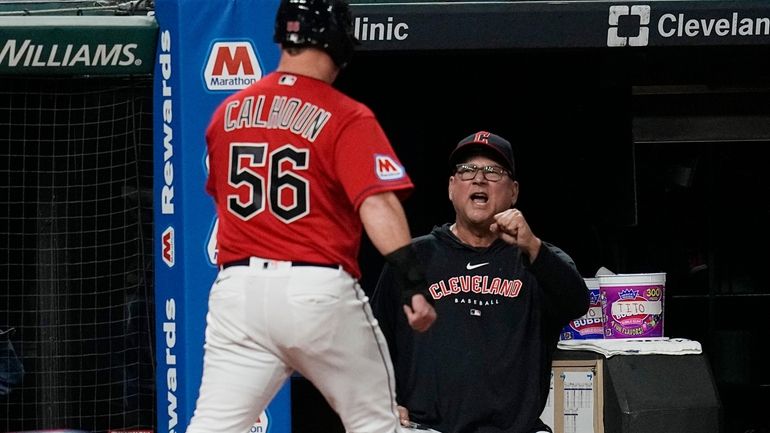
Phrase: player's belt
(266,263)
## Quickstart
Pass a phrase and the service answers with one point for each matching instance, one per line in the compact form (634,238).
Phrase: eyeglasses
(490,173)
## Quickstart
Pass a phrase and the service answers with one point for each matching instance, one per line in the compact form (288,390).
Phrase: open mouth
(479,197)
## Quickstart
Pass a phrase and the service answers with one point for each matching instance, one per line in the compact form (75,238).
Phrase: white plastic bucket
(632,305)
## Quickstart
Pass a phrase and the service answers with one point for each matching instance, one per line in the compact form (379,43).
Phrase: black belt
(247,262)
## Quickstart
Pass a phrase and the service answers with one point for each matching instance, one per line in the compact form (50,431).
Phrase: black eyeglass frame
(487,171)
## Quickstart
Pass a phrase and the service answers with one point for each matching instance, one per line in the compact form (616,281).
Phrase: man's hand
(421,314)
(403,415)
(511,227)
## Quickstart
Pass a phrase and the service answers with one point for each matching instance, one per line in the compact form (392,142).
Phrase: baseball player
(297,169)
(502,295)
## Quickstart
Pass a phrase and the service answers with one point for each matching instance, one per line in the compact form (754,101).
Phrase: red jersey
(291,159)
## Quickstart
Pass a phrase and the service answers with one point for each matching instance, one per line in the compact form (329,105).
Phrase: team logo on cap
(387,168)
(481,137)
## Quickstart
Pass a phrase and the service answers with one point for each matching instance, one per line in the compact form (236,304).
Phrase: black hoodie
(485,364)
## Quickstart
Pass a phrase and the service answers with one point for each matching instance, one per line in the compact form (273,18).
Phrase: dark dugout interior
(571,116)
(566,114)
(639,160)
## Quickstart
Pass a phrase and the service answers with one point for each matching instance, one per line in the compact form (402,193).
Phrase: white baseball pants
(269,319)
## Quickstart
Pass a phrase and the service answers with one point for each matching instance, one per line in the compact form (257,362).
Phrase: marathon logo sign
(167,247)
(636,25)
(232,66)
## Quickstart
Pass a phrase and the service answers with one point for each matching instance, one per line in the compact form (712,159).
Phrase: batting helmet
(324,24)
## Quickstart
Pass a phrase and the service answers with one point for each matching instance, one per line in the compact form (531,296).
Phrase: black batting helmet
(323,24)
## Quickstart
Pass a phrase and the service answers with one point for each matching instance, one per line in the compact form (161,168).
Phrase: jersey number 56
(281,184)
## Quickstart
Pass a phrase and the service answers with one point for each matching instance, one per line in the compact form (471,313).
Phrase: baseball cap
(496,146)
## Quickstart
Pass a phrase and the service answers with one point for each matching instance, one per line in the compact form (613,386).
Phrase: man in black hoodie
(502,295)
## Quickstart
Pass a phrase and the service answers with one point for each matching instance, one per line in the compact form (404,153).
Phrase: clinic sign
(204,52)
(433,26)
(638,25)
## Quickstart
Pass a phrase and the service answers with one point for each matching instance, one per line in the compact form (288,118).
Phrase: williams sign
(78,45)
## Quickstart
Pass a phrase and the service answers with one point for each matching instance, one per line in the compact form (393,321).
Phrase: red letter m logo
(387,168)
(236,59)
(385,165)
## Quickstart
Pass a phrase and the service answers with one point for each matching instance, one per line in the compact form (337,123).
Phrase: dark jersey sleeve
(415,383)
(385,306)
(565,291)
